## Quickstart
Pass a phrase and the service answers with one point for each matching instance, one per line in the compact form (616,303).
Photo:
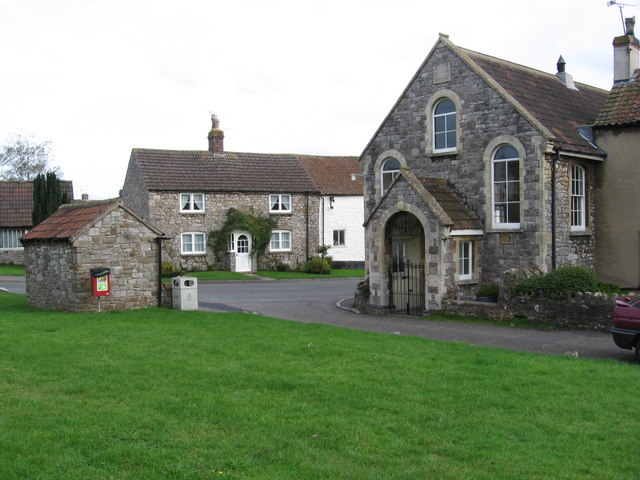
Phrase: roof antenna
(620,6)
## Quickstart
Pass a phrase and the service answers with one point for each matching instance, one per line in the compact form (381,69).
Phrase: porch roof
(452,204)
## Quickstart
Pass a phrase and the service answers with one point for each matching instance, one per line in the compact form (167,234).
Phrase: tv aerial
(620,5)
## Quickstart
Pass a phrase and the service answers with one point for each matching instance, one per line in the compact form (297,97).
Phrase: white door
(243,247)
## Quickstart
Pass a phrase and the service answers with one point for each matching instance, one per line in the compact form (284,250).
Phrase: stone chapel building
(481,166)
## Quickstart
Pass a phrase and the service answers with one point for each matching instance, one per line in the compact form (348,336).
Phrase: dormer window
(192,202)
(280,203)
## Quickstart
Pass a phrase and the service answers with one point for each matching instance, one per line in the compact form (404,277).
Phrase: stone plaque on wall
(441,73)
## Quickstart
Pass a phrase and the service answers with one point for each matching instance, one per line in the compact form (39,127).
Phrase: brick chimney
(216,136)
(626,53)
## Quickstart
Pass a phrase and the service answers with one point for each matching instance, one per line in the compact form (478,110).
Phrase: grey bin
(184,292)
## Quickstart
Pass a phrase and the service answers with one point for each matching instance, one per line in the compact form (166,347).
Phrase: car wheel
(638,352)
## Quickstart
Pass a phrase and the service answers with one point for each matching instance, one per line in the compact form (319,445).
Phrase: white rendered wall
(347,214)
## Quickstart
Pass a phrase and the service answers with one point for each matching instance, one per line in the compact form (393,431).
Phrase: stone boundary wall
(588,311)
(12,256)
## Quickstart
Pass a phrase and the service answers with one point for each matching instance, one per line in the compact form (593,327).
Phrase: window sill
(472,281)
(280,251)
(505,230)
(449,153)
(281,213)
(189,212)
(581,233)
(197,254)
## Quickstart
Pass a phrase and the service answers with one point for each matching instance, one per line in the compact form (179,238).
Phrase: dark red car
(626,324)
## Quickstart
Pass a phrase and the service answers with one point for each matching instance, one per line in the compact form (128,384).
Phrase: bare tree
(23,157)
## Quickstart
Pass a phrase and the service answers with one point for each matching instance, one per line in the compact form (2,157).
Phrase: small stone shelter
(61,251)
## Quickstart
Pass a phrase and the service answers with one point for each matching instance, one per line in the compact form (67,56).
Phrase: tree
(23,157)
(47,196)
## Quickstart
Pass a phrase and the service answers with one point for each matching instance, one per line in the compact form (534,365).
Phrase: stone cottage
(482,165)
(16,205)
(61,251)
(617,131)
(187,194)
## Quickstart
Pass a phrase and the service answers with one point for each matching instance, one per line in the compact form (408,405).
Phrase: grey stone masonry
(58,272)
(302,222)
(486,119)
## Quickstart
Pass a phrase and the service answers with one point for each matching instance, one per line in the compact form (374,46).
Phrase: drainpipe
(159,240)
(556,157)
(322,224)
(307,226)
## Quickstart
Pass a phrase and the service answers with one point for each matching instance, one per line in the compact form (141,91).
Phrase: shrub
(317,265)
(490,290)
(168,268)
(559,283)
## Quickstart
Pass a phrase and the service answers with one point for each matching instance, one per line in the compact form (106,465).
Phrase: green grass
(165,394)
(12,270)
(293,275)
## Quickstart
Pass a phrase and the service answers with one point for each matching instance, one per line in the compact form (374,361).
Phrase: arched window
(444,126)
(506,187)
(578,198)
(390,170)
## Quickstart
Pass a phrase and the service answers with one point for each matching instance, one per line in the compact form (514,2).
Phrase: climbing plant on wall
(258,226)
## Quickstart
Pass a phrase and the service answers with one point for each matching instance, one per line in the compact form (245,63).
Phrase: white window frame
(578,198)
(448,129)
(191,202)
(389,175)
(277,200)
(465,259)
(277,241)
(497,222)
(341,237)
(192,243)
(9,239)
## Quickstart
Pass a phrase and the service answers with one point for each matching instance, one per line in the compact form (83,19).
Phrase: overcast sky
(100,77)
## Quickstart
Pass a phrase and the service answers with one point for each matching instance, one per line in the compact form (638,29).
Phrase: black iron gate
(407,286)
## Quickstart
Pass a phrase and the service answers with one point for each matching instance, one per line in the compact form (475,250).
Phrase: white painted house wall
(347,214)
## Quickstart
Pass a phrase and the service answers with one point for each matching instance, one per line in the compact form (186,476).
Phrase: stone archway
(404,244)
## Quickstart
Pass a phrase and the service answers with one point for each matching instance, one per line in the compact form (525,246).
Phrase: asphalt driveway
(329,302)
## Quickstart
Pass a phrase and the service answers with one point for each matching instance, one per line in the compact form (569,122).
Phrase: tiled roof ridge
(222,154)
(525,67)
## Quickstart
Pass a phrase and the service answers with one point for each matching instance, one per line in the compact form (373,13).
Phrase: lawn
(293,275)
(165,394)
(17,270)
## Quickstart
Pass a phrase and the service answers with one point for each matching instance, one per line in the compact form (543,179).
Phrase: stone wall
(12,256)
(303,222)
(58,273)
(590,311)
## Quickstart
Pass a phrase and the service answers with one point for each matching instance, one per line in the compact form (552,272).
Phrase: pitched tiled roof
(332,175)
(16,202)
(623,105)
(191,170)
(69,220)
(454,207)
(547,99)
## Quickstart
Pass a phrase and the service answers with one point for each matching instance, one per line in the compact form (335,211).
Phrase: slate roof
(16,202)
(558,108)
(622,107)
(332,175)
(206,171)
(454,207)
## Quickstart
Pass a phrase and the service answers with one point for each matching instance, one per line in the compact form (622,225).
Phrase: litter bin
(184,293)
